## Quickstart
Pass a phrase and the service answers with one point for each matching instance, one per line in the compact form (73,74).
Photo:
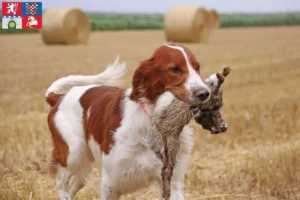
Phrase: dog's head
(171,68)
(210,116)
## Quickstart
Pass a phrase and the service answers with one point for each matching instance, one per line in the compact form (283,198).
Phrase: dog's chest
(133,170)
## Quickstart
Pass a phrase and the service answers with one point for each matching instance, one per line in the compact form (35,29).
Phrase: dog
(98,122)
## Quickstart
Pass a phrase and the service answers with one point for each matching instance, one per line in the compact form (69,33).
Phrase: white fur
(194,82)
(68,121)
(111,76)
(212,81)
(164,101)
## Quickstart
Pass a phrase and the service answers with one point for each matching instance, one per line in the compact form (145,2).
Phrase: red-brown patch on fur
(155,76)
(60,150)
(53,98)
(102,114)
(104,117)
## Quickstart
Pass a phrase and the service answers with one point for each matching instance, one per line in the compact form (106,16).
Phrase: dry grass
(258,156)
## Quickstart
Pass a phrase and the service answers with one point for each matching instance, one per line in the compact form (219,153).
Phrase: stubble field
(257,158)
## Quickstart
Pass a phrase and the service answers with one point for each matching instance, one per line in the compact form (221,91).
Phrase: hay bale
(65,26)
(207,30)
(214,19)
(186,24)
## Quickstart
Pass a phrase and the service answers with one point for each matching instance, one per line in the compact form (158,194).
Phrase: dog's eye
(175,69)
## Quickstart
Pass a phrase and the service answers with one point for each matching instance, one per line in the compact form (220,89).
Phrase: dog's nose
(202,94)
(224,127)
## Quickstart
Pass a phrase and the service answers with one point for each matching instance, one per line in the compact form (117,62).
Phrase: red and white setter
(96,122)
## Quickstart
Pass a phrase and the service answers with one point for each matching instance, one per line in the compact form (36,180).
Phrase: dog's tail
(112,76)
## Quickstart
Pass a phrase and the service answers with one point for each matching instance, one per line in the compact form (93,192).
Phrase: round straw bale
(210,20)
(185,23)
(65,26)
(207,28)
(214,19)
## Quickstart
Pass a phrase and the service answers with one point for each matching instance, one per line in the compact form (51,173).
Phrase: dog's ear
(145,82)
(140,76)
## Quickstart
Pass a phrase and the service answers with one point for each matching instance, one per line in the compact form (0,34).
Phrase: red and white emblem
(12,8)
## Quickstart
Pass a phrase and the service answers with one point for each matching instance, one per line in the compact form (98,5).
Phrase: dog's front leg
(108,190)
(177,180)
(182,159)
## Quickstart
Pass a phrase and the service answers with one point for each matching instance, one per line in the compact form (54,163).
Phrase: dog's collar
(144,108)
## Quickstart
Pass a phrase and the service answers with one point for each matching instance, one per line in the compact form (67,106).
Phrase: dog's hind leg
(69,183)
(62,179)
(72,178)
(71,156)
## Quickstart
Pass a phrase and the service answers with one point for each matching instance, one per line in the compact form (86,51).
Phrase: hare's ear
(221,77)
(216,80)
(226,70)
(212,81)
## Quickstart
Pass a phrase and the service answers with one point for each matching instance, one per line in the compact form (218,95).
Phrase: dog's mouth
(194,109)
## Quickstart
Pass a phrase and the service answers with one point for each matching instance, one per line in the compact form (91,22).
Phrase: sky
(162,6)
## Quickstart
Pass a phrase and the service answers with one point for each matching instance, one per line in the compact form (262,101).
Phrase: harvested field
(259,156)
